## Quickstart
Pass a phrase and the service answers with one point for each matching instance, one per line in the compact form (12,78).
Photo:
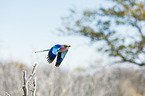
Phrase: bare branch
(25,86)
(26,81)
(34,87)
(33,73)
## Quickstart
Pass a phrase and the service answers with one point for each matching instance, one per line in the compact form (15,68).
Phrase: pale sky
(27,26)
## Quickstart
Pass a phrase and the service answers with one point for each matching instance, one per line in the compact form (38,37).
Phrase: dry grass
(54,82)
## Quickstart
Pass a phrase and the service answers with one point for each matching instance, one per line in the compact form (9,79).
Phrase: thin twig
(25,87)
(33,73)
(34,87)
(7,94)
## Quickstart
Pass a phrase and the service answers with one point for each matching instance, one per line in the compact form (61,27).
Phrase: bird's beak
(69,46)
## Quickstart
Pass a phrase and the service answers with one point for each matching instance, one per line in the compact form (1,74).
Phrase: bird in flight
(58,51)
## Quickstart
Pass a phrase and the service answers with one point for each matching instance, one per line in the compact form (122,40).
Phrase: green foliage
(17,64)
(79,69)
(108,25)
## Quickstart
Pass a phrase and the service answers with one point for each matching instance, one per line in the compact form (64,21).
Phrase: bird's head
(64,48)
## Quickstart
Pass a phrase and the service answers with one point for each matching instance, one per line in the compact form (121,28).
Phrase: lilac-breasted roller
(58,51)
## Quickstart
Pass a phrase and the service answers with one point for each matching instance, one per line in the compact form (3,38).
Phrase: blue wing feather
(53,53)
(60,57)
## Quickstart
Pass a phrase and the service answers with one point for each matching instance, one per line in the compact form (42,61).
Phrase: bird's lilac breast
(62,49)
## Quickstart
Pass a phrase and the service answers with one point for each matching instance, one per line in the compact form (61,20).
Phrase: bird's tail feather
(42,51)
(57,64)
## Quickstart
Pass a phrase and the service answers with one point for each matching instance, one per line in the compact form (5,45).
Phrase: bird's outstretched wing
(53,53)
(60,57)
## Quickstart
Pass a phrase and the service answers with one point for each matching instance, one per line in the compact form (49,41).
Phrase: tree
(120,29)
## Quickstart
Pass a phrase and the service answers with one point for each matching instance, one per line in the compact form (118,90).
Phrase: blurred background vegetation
(119,28)
(109,81)
(120,32)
